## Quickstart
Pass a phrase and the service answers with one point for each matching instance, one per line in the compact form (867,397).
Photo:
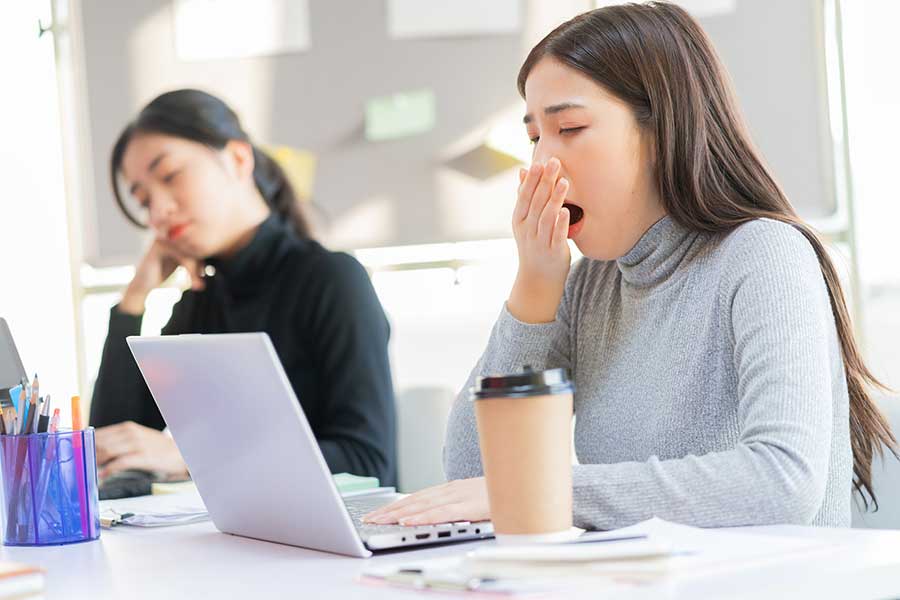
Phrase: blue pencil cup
(49,488)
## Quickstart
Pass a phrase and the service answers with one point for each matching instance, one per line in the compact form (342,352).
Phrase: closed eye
(564,131)
(168,178)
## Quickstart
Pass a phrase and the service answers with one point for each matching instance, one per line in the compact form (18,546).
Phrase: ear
(238,156)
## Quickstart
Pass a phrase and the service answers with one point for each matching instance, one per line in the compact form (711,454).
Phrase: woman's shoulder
(307,254)
(767,243)
(321,267)
(765,233)
(767,258)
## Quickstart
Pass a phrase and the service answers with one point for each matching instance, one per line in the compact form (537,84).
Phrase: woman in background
(221,208)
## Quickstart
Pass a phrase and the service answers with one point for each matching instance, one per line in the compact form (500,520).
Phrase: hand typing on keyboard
(459,500)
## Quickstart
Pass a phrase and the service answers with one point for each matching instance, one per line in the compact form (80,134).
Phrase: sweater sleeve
(783,330)
(120,393)
(511,346)
(349,334)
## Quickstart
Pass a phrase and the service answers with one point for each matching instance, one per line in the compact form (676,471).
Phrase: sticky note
(299,166)
(400,115)
(345,482)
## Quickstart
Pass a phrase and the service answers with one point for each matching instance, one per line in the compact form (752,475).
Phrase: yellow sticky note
(299,166)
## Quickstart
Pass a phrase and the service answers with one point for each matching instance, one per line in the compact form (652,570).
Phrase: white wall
(873,104)
(35,281)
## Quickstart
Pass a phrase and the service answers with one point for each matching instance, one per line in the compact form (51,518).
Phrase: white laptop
(252,454)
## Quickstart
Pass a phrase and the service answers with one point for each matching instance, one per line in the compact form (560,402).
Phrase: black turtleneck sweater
(326,323)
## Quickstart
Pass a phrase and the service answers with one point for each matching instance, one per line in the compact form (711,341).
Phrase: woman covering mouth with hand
(717,379)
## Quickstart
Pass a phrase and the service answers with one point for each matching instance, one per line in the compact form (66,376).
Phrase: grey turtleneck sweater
(710,388)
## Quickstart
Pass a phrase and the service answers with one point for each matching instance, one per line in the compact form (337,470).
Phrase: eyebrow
(153,164)
(553,109)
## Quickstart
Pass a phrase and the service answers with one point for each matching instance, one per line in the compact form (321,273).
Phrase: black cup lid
(526,383)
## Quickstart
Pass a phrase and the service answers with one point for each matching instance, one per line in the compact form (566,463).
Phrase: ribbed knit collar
(659,252)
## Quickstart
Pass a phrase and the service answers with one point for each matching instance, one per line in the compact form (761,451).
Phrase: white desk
(197,561)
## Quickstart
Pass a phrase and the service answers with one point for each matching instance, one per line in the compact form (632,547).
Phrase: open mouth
(576,213)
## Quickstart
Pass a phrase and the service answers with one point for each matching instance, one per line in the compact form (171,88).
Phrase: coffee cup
(524,431)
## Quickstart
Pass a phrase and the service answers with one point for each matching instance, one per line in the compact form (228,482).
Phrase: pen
(52,443)
(44,417)
(37,415)
(35,403)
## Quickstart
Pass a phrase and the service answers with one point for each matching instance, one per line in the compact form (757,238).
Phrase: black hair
(201,117)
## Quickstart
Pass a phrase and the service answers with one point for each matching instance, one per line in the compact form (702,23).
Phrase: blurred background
(400,121)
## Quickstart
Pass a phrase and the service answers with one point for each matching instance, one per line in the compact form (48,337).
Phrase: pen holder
(49,488)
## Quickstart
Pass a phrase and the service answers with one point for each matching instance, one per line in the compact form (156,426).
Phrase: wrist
(133,301)
(533,300)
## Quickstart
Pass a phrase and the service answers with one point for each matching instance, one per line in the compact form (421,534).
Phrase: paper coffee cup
(524,430)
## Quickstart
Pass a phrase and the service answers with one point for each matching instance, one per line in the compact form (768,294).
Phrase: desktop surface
(198,561)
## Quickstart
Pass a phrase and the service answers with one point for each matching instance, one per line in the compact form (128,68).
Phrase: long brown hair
(657,59)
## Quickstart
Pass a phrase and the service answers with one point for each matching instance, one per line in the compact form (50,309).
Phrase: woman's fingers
(447,513)
(542,193)
(402,513)
(561,229)
(128,461)
(526,191)
(549,216)
(459,500)
(400,506)
(115,440)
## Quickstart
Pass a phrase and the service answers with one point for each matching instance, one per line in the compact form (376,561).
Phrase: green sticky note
(346,482)
(400,115)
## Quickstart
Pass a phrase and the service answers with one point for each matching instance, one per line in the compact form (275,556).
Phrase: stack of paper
(644,553)
(180,508)
(180,503)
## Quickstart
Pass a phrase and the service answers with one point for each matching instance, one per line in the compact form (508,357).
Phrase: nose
(162,207)
(540,153)
(543,152)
